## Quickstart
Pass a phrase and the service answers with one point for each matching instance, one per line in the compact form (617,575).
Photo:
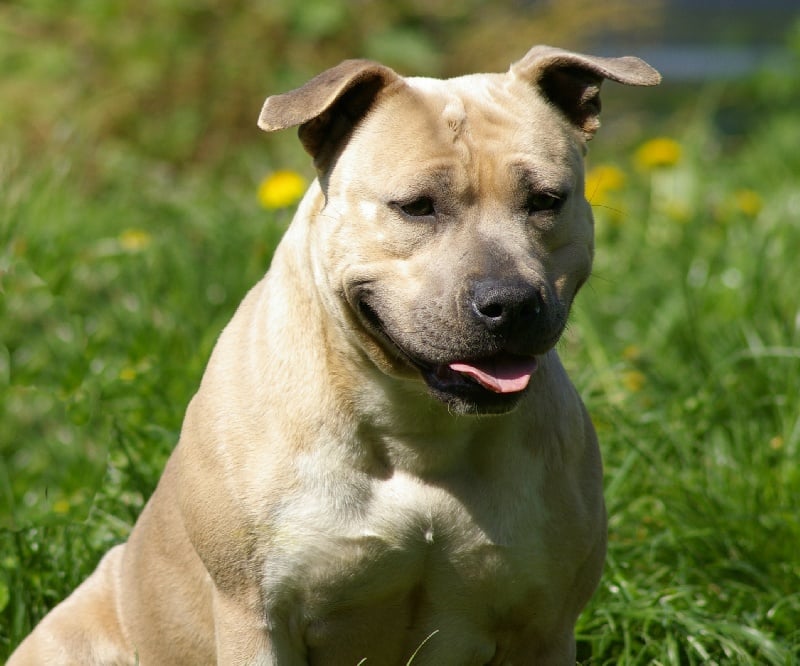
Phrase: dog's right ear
(328,107)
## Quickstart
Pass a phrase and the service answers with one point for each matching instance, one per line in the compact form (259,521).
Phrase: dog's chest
(383,562)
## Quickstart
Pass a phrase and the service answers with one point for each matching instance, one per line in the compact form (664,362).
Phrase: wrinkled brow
(529,176)
(427,182)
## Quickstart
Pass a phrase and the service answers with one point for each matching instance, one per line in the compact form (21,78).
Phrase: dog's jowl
(385,457)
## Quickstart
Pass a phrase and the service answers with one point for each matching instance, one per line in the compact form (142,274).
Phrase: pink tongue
(506,375)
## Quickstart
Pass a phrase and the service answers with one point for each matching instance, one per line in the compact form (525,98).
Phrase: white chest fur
(371,567)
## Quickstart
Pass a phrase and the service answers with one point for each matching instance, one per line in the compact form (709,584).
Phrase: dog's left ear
(571,81)
(328,107)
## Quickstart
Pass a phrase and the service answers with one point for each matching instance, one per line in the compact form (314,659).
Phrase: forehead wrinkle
(455,115)
(478,137)
(426,181)
(488,130)
(526,174)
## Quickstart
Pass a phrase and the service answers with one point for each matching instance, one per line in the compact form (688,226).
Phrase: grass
(685,344)
(686,348)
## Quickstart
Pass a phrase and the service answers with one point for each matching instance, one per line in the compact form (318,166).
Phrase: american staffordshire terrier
(385,461)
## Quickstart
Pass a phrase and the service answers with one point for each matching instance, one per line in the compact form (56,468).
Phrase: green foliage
(687,347)
(109,305)
(184,81)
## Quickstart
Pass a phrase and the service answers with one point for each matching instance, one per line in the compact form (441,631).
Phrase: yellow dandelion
(127,374)
(776,443)
(658,153)
(281,189)
(61,506)
(602,180)
(633,380)
(748,202)
(134,240)
(632,353)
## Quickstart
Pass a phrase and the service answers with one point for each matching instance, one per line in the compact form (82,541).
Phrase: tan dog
(339,492)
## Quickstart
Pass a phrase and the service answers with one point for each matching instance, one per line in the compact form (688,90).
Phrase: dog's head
(455,233)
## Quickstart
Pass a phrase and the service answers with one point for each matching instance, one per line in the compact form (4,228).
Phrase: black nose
(506,306)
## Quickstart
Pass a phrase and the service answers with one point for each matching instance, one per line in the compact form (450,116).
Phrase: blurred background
(181,82)
(139,202)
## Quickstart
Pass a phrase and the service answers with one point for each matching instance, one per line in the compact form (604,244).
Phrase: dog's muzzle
(484,362)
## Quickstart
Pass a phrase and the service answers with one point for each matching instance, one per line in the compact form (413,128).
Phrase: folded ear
(571,81)
(328,107)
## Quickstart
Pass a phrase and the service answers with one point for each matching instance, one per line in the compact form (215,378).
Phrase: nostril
(500,305)
(490,311)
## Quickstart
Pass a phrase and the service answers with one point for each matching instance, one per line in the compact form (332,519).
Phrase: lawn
(115,281)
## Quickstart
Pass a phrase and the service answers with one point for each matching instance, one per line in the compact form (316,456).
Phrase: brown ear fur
(571,81)
(328,107)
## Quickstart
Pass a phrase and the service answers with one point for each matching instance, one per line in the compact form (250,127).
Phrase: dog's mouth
(501,373)
(491,383)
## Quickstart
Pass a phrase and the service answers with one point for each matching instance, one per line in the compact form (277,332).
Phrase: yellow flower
(281,189)
(748,202)
(134,240)
(601,180)
(633,380)
(632,353)
(658,153)
(127,374)
(61,506)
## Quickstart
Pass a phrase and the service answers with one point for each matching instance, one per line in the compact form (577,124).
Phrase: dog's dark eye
(422,207)
(539,202)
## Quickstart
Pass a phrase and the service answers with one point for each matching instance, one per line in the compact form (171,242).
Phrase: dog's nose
(506,306)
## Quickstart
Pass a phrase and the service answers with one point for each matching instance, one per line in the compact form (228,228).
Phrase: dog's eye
(422,207)
(540,202)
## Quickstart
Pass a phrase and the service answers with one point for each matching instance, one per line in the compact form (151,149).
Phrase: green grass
(686,346)
(114,284)
(112,293)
